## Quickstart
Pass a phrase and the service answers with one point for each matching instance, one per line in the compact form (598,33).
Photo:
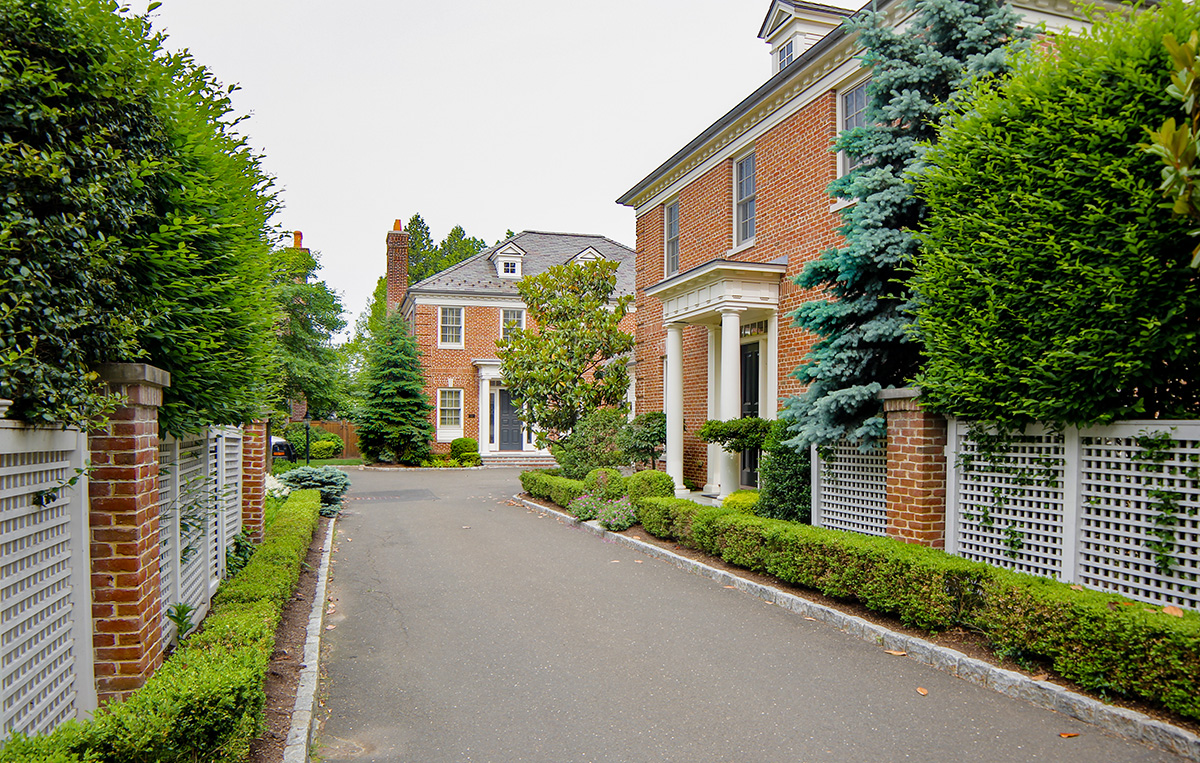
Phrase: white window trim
(789,43)
(739,246)
(839,91)
(462,327)
(521,310)
(446,432)
(667,272)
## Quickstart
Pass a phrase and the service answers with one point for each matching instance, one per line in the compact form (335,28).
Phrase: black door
(509,424)
(750,354)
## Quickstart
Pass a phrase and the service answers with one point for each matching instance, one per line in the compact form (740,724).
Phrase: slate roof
(477,275)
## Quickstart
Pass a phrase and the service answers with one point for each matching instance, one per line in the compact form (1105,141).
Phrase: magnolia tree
(569,361)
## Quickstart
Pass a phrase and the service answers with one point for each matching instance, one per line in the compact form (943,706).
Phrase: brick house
(459,314)
(726,224)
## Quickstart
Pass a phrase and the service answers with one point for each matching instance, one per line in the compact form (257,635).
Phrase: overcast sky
(490,114)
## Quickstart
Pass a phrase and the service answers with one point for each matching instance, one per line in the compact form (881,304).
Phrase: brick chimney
(397,265)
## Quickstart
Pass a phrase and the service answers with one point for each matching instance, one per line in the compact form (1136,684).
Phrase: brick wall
(254,478)
(916,471)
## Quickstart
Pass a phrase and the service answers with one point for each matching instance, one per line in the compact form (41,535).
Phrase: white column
(673,394)
(731,408)
(769,409)
(483,417)
(713,482)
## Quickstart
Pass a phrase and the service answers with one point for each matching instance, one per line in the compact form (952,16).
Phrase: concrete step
(519,459)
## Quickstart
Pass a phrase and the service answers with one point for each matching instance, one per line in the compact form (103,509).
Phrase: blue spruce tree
(863,321)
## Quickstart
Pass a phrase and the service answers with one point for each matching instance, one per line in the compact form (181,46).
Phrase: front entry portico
(739,304)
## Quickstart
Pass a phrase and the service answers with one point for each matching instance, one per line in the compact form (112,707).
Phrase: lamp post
(307,434)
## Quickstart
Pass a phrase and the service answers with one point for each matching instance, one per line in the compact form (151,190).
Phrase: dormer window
(508,261)
(785,54)
(587,255)
(508,268)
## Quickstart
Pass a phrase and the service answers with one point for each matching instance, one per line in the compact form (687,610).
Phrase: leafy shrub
(737,435)
(563,490)
(742,501)
(587,506)
(605,482)
(785,479)
(321,444)
(645,484)
(463,446)
(592,444)
(643,438)
(330,481)
(238,554)
(617,515)
(322,449)
(532,482)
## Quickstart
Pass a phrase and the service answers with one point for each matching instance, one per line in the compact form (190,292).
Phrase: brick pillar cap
(133,373)
(903,393)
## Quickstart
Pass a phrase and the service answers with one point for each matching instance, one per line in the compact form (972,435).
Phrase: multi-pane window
(744,182)
(785,54)
(672,237)
(854,111)
(451,333)
(510,319)
(510,268)
(450,408)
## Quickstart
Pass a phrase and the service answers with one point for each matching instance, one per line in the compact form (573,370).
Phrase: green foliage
(742,501)
(587,506)
(649,483)
(393,420)
(463,446)
(1099,640)
(605,482)
(617,514)
(180,614)
(134,224)
(736,435)
(1051,287)
(312,315)
(861,317)
(643,439)
(238,554)
(426,259)
(568,363)
(1178,148)
(593,444)
(330,481)
(785,478)
(294,433)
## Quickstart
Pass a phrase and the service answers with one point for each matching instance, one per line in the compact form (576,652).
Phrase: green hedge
(605,482)
(206,701)
(744,501)
(647,483)
(544,486)
(1101,641)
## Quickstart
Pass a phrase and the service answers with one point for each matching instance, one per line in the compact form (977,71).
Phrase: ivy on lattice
(1155,448)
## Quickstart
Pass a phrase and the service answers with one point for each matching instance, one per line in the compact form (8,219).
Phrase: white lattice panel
(229,494)
(42,558)
(853,489)
(1011,510)
(1118,512)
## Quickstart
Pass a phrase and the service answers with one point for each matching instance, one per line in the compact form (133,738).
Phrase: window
(510,268)
(510,319)
(785,54)
(671,221)
(449,414)
(854,110)
(451,333)
(744,193)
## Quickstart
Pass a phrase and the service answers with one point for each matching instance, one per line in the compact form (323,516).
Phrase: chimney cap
(398,225)
(297,237)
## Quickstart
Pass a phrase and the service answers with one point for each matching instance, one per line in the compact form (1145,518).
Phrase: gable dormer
(792,27)
(507,260)
(587,255)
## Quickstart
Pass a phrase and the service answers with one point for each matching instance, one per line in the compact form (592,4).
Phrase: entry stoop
(520,460)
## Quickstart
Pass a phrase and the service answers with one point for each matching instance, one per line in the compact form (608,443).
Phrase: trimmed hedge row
(1101,641)
(206,701)
(560,490)
(744,501)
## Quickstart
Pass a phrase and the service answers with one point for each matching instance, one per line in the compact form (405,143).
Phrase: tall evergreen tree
(312,315)
(862,322)
(393,420)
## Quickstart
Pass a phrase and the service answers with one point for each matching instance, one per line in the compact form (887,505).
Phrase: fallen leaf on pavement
(811,618)
(1041,676)
(615,561)
(895,652)
(330,627)
(1173,611)
(1068,736)
(466,527)
(922,691)
(729,586)
(637,561)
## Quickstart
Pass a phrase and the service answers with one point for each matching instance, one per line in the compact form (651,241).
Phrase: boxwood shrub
(545,486)
(206,701)
(605,482)
(743,501)
(648,483)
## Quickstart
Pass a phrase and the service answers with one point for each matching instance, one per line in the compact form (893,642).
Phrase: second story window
(744,189)
(671,235)
(450,333)
(509,320)
(785,55)
(854,114)
(510,268)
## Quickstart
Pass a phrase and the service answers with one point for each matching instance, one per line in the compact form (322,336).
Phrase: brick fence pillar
(916,470)
(124,515)
(254,478)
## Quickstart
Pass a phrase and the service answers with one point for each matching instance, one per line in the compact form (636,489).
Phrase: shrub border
(1130,724)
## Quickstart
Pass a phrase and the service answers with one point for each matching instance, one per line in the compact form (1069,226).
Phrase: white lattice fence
(46,672)
(850,489)
(1103,507)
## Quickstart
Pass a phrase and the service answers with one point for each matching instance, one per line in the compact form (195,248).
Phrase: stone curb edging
(299,739)
(1126,723)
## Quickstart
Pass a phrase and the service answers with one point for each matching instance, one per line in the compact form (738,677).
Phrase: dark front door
(750,354)
(509,424)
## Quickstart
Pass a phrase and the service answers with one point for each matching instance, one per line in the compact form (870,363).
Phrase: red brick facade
(254,478)
(916,470)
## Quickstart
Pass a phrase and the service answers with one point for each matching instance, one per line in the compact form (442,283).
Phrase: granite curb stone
(1124,722)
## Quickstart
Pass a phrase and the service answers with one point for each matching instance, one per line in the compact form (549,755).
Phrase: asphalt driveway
(469,628)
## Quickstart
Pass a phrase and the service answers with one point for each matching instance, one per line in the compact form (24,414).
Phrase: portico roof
(698,295)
